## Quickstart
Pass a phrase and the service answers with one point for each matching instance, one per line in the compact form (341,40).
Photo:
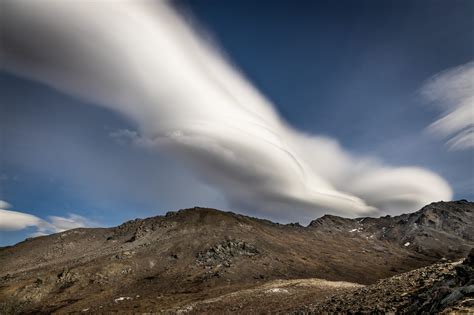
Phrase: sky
(278,109)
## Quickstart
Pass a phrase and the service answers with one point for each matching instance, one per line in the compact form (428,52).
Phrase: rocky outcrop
(224,253)
(453,292)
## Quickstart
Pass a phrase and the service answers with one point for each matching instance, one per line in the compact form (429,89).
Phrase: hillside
(197,254)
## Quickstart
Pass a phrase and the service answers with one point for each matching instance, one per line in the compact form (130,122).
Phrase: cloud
(453,91)
(4,205)
(13,221)
(73,221)
(142,60)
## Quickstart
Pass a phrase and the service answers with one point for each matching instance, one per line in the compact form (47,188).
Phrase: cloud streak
(453,91)
(141,59)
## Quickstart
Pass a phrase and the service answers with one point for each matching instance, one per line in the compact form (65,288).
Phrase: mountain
(199,254)
(441,229)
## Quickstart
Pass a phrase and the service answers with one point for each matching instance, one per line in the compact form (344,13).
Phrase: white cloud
(73,221)
(13,221)
(4,205)
(140,59)
(453,91)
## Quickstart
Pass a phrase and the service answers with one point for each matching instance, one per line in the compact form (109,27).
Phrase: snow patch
(122,298)
(277,290)
(186,309)
(406,244)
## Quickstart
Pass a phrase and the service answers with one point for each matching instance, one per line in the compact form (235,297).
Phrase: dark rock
(225,252)
(469,261)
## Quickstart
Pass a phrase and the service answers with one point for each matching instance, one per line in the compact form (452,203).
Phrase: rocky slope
(439,288)
(193,255)
(443,287)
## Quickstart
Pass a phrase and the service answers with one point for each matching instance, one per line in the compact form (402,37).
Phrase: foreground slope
(438,288)
(442,287)
(197,254)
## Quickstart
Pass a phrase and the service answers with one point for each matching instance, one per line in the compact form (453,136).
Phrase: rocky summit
(207,261)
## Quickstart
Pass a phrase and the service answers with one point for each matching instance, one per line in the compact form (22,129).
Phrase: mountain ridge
(201,253)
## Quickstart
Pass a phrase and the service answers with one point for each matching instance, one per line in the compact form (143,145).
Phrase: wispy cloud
(453,91)
(187,99)
(14,220)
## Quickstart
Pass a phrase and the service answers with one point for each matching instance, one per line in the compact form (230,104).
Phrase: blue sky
(351,71)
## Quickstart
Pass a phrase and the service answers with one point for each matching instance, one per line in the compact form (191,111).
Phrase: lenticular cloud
(142,60)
